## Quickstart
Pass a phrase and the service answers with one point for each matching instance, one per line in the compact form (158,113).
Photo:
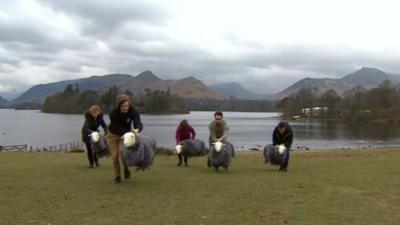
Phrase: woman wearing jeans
(121,120)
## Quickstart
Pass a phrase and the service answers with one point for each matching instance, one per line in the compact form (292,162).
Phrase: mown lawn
(343,187)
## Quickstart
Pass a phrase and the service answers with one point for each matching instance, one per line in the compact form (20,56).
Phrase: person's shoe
(283,169)
(117,180)
(127,174)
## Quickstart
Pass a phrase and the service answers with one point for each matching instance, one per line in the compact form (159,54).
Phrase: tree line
(358,103)
(72,100)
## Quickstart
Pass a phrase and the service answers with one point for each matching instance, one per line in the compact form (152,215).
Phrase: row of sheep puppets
(139,151)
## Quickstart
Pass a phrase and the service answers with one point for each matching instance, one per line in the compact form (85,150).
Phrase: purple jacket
(183,133)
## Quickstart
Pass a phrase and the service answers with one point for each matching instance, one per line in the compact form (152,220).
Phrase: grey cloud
(102,18)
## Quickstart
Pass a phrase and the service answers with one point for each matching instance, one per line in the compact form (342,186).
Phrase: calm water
(247,130)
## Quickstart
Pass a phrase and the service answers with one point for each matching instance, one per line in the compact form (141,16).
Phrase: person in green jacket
(219,129)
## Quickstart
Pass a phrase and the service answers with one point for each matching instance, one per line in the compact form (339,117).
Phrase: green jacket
(218,131)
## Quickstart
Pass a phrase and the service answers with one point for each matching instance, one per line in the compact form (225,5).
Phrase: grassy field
(342,187)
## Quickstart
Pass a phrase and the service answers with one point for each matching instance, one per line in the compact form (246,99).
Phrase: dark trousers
(180,156)
(90,154)
(285,161)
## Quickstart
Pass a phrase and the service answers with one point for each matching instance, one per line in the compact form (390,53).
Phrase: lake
(247,130)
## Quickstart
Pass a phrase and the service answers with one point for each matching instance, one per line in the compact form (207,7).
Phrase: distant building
(314,111)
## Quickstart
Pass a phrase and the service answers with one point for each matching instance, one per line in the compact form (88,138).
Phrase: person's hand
(219,140)
(135,131)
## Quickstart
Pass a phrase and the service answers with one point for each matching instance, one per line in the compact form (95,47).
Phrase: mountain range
(3,102)
(366,76)
(235,90)
(192,88)
(188,87)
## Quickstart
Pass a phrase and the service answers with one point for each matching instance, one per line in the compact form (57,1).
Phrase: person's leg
(113,144)
(127,173)
(180,159)
(285,161)
(95,159)
(89,153)
(185,158)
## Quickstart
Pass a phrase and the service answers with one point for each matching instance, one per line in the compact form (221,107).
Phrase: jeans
(90,154)
(285,161)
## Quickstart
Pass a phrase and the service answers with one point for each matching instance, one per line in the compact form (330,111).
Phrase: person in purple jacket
(184,131)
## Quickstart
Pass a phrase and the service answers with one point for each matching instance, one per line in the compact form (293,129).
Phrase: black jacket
(120,123)
(92,124)
(286,138)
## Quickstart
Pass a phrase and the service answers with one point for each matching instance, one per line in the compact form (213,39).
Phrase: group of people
(125,118)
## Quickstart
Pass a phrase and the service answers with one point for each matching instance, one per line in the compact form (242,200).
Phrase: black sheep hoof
(179,164)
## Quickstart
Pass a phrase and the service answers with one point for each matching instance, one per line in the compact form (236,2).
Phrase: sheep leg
(185,159)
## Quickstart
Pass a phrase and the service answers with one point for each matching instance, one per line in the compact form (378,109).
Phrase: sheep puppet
(220,155)
(138,150)
(98,144)
(274,154)
(189,148)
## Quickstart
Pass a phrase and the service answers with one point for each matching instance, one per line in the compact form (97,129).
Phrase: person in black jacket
(283,134)
(93,119)
(121,120)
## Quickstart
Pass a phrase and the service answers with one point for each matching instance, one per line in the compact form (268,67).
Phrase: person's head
(94,110)
(282,127)
(218,116)
(183,123)
(123,103)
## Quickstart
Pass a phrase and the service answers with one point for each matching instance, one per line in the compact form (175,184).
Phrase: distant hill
(235,90)
(187,88)
(3,102)
(367,77)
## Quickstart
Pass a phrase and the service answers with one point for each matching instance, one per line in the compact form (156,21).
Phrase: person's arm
(275,137)
(177,135)
(212,132)
(289,139)
(226,132)
(88,122)
(192,132)
(137,122)
(103,123)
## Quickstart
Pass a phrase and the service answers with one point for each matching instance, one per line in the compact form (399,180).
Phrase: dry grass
(331,187)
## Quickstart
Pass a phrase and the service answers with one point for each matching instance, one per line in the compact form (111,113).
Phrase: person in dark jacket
(184,131)
(121,120)
(283,134)
(93,120)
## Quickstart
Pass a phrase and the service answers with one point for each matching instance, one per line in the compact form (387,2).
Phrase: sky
(264,45)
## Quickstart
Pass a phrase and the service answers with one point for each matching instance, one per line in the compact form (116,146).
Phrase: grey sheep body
(272,155)
(222,158)
(192,148)
(141,154)
(100,148)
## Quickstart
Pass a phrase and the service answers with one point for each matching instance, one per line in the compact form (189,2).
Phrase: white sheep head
(281,149)
(95,136)
(178,148)
(129,139)
(218,146)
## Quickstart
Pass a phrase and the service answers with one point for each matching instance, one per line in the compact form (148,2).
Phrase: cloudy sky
(265,45)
